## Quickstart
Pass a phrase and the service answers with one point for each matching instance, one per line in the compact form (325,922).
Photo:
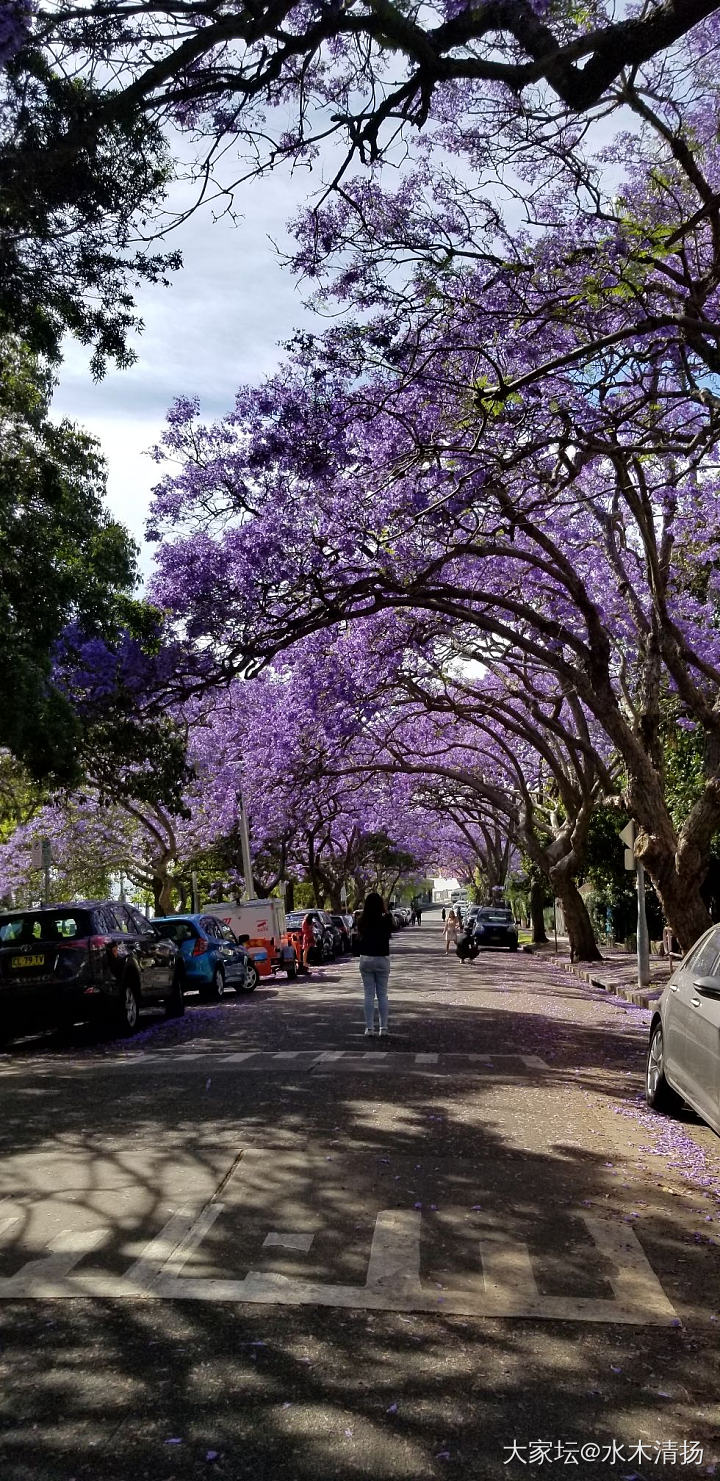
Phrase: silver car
(683,1062)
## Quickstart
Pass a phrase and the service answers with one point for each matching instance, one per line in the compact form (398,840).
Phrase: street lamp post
(245,848)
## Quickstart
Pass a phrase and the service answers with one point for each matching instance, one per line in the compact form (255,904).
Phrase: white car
(683,1062)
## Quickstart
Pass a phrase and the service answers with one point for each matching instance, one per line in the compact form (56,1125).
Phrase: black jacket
(375,939)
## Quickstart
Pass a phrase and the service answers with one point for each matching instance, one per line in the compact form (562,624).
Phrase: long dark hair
(373,911)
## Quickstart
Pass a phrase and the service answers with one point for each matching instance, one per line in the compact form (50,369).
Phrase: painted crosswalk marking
(305,1060)
(508,1288)
(171,1249)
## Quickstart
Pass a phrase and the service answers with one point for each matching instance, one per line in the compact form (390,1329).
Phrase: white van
(262,922)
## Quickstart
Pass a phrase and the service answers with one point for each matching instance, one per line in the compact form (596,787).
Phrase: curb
(638,997)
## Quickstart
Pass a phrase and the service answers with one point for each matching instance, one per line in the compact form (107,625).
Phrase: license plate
(28,961)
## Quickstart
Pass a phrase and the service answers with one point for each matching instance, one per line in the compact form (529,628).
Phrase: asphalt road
(251,1243)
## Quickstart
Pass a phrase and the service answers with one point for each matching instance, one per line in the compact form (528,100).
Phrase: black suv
(493,925)
(62,963)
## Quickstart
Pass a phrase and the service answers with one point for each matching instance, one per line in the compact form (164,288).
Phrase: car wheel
(128,1008)
(513,945)
(252,977)
(291,971)
(175,1004)
(659,1095)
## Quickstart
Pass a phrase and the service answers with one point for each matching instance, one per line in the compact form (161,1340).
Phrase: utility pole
(245,848)
(643,943)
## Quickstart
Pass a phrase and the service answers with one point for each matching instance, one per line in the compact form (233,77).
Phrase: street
(253,1243)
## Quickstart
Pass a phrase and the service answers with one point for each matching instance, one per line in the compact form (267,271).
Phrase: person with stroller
(467,947)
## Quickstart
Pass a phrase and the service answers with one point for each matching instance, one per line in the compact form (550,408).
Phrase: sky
(219,324)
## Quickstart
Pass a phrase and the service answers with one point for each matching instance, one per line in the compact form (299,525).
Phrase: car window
(175,930)
(46,925)
(706,959)
(693,956)
(209,926)
(10,930)
(138,922)
(225,933)
(104,922)
(116,918)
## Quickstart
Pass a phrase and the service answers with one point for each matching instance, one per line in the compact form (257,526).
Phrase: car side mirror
(243,940)
(708,987)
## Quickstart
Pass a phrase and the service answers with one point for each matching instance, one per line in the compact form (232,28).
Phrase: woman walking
(374,931)
(450,932)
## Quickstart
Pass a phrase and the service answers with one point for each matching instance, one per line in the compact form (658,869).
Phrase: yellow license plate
(27,961)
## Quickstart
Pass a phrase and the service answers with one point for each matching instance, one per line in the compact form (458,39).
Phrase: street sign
(632,862)
(628,834)
(41,854)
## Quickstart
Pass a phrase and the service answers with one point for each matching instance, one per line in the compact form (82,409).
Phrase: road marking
(283,1239)
(305,1061)
(47,1275)
(393,1283)
(395,1252)
(507,1270)
(173,1246)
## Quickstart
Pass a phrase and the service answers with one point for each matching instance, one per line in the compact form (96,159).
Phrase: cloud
(220,323)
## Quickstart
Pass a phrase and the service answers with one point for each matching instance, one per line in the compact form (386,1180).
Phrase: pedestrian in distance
(418,914)
(308,940)
(450,932)
(443,913)
(375,929)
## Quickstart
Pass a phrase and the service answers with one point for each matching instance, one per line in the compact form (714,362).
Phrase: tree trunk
(678,890)
(289,895)
(537,916)
(162,894)
(583,946)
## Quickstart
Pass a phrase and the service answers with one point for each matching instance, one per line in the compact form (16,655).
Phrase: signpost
(643,945)
(245,848)
(41,858)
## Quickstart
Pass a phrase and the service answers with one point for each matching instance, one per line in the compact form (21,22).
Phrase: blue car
(212,958)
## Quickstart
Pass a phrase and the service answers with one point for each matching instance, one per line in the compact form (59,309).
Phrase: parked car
(92,958)
(324,948)
(493,926)
(343,924)
(336,932)
(683,1062)
(212,957)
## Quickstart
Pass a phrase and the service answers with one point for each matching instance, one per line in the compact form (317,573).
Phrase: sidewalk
(615,974)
